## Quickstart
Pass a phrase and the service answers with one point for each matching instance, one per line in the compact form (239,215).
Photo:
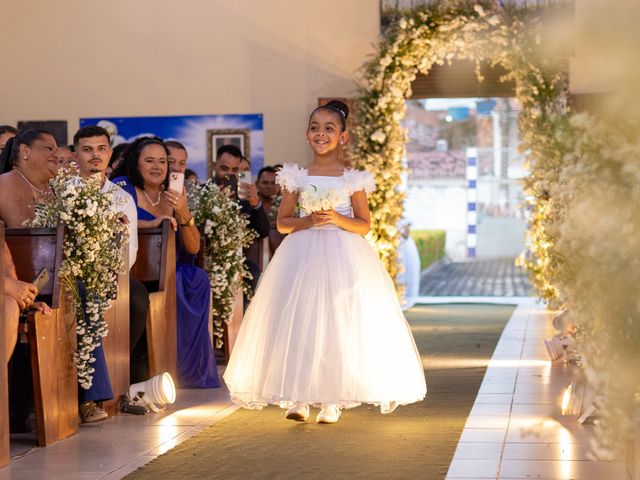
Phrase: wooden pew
(116,343)
(156,267)
(52,339)
(230,330)
(4,391)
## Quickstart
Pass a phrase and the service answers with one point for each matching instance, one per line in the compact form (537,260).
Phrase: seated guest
(278,167)
(6,132)
(228,163)
(93,152)
(177,156)
(268,193)
(191,176)
(117,154)
(178,163)
(65,156)
(146,166)
(267,186)
(18,297)
(245,164)
(27,164)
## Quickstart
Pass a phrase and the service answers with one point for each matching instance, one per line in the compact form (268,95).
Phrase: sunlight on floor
(470,362)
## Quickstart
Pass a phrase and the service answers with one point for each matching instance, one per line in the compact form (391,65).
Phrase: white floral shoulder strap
(292,177)
(356,180)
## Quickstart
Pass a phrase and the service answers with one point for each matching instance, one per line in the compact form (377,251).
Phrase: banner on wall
(200,134)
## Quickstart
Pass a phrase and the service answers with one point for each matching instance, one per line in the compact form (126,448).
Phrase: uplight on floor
(155,393)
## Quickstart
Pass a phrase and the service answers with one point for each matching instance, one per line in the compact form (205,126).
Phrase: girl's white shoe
(329,413)
(299,412)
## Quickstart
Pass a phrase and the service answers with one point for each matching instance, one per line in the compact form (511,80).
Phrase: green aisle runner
(414,442)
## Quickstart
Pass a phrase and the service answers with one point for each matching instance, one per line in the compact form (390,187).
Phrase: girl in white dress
(325,327)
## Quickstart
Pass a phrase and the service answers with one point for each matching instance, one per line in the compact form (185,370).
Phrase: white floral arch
(421,38)
(580,167)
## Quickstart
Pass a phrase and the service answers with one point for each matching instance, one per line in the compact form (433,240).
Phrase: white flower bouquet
(226,230)
(92,255)
(315,200)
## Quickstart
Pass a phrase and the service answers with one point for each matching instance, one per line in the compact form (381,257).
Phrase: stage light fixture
(154,393)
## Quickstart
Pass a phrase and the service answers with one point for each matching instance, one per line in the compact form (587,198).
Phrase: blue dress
(196,359)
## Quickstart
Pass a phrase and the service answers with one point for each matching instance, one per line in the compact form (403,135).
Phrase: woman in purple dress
(146,168)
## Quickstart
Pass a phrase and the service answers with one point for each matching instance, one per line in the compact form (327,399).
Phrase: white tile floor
(514,430)
(120,445)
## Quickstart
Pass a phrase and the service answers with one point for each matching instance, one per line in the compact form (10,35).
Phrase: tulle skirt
(325,326)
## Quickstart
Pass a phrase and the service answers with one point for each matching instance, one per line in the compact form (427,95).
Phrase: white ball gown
(325,325)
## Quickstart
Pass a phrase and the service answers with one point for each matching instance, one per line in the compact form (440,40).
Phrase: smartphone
(42,279)
(176,181)
(244,178)
(231,181)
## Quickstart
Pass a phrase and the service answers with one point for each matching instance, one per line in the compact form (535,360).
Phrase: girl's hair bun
(340,107)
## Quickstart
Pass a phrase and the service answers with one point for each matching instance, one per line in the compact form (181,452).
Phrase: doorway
(464,194)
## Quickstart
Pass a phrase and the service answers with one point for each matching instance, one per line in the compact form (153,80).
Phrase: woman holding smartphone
(147,180)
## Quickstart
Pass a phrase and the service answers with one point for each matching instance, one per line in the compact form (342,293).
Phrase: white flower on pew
(92,249)
(225,229)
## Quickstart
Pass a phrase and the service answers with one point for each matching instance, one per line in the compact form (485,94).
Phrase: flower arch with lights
(421,38)
(581,191)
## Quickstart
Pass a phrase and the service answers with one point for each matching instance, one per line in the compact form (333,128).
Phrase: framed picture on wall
(216,138)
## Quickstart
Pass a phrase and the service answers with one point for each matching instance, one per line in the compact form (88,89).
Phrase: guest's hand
(177,201)
(158,221)
(24,293)
(228,192)
(42,307)
(249,192)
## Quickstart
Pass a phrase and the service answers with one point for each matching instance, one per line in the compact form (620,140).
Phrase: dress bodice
(320,183)
(297,179)
(128,187)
